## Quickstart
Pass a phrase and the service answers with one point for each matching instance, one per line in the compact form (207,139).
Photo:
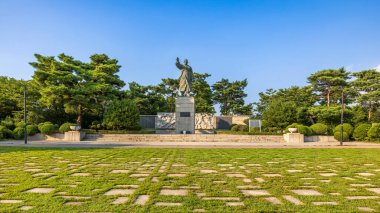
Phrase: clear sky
(274,44)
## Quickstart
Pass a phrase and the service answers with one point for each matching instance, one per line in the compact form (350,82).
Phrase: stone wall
(67,136)
(239,119)
(320,138)
(167,120)
(183,138)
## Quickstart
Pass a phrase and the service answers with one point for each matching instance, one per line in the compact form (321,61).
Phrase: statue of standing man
(186,78)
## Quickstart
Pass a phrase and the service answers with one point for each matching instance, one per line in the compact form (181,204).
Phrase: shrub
(5,132)
(96,125)
(122,114)
(244,128)
(304,130)
(8,123)
(255,129)
(240,128)
(32,129)
(360,132)
(18,133)
(337,136)
(20,124)
(1,131)
(346,128)
(47,128)
(65,127)
(374,131)
(232,125)
(319,129)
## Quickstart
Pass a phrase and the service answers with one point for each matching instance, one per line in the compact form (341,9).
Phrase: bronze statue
(186,78)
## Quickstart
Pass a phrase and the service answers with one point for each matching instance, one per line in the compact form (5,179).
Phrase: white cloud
(378,68)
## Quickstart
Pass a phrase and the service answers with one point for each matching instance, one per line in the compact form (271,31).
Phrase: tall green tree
(279,115)
(169,89)
(10,96)
(367,85)
(203,94)
(301,96)
(329,82)
(147,99)
(80,87)
(230,96)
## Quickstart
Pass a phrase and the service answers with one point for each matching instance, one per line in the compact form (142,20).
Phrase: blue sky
(274,44)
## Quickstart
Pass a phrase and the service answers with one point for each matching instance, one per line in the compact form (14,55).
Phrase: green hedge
(240,128)
(65,127)
(361,132)
(374,132)
(32,129)
(319,129)
(47,128)
(346,128)
(18,133)
(337,136)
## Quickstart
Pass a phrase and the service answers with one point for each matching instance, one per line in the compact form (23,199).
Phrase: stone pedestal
(74,136)
(185,115)
(294,138)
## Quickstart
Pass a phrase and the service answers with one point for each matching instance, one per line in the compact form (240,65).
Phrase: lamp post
(341,120)
(25,132)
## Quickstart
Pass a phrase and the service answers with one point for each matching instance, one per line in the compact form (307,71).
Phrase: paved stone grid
(170,180)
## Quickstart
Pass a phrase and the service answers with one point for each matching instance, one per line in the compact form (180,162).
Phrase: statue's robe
(186,79)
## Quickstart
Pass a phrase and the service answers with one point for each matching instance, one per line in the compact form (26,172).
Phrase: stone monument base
(185,115)
(294,138)
(74,136)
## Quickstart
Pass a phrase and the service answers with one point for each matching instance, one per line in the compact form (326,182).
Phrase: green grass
(61,163)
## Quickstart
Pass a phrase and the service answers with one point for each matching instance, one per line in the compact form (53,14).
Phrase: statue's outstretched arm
(179,65)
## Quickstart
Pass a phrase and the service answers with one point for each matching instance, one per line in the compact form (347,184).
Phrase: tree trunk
(369,112)
(79,115)
(328,99)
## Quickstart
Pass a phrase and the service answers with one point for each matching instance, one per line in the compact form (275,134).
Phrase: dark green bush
(255,129)
(374,131)
(96,125)
(8,123)
(5,132)
(18,133)
(304,130)
(20,124)
(360,132)
(232,125)
(346,128)
(235,128)
(32,129)
(244,128)
(47,128)
(65,127)
(240,128)
(319,129)
(337,136)
(1,131)
(122,114)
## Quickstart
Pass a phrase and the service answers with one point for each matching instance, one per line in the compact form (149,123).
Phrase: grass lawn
(187,180)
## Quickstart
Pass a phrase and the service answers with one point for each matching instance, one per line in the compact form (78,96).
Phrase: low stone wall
(320,138)
(43,137)
(67,136)
(182,138)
